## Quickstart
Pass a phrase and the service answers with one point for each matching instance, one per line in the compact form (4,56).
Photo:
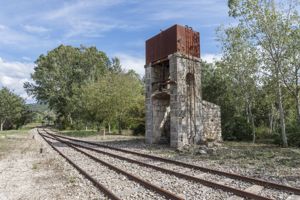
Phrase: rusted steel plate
(174,39)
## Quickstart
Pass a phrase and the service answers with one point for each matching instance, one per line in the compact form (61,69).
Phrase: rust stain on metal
(174,39)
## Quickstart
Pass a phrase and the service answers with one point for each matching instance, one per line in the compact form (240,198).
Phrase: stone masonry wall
(159,108)
(211,122)
(148,106)
(191,121)
(185,102)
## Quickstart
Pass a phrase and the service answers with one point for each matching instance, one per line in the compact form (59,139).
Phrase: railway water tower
(175,111)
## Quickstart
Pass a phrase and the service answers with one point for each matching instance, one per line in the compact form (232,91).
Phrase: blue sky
(118,27)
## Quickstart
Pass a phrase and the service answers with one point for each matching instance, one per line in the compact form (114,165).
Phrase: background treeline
(256,83)
(87,90)
(13,110)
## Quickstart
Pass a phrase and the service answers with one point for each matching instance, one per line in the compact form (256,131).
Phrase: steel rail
(261,182)
(235,191)
(98,185)
(146,184)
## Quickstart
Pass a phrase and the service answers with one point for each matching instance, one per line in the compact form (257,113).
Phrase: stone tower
(175,112)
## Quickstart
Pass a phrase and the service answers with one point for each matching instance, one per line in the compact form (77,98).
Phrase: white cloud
(85,18)
(13,75)
(11,37)
(71,10)
(35,29)
(89,28)
(210,58)
(132,62)
(178,9)
(26,58)
(2,27)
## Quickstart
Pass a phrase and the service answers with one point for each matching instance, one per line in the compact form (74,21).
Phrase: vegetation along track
(247,193)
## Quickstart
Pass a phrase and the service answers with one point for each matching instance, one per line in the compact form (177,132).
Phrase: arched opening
(190,79)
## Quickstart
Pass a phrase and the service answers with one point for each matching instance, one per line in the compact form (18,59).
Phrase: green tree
(115,66)
(62,71)
(11,107)
(112,97)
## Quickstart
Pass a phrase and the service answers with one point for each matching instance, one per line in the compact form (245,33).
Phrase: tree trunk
(298,107)
(1,125)
(71,120)
(271,118)
(104,133)
(297,94)
(252,123)
(253,130)
(119,126)
(108,128)
(247,110)
(282,115)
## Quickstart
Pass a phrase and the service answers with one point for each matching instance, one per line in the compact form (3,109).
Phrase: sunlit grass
(79,133)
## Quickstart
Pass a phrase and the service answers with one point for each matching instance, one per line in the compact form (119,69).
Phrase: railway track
(51,141)
(248,191)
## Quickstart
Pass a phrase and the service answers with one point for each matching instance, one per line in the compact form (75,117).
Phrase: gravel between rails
(181,187)
(187,189)
(119,184)
(271,193)
(197,173)
(290,176)
(274,194)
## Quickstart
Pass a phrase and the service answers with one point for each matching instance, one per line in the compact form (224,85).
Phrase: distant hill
(38,107)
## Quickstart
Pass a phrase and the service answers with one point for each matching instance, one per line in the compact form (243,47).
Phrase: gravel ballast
(181,187)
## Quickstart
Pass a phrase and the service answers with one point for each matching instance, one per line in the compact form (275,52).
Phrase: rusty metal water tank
(177,38)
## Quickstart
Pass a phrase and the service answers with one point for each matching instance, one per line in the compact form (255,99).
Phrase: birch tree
(269,25)
(241,67)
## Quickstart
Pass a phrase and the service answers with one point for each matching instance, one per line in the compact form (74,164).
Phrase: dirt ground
(25,173)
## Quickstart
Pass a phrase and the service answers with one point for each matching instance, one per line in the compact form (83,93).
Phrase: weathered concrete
(175,112)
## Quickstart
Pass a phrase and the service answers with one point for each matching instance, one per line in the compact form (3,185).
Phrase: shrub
(139,129)
(237,128)
(294,139)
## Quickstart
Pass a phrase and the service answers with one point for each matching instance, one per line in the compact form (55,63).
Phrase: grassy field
(23,130)
(11,140)
(79,133)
